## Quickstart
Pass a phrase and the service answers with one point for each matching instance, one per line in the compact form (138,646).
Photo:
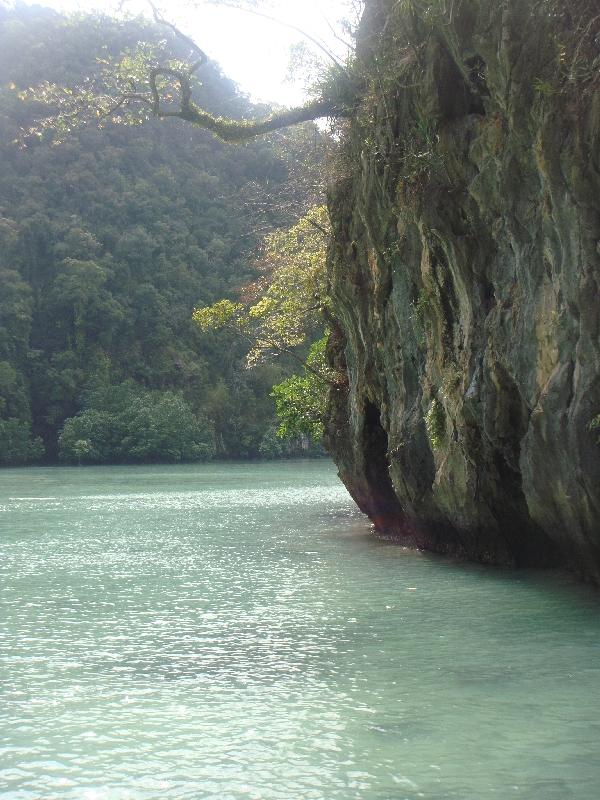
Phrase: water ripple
(234,633)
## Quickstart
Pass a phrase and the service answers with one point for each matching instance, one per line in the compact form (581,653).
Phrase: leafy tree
(16,444)
(290,297)
(126,423)
(92,437)
(287,309)
(16,307)
(295,298)
(109,240)
(13,395)
(300,400)
(82,449)
(164,428)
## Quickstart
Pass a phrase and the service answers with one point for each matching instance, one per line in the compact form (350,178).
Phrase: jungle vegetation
(109,238)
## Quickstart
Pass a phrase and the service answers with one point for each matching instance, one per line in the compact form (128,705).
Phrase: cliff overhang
(465,277)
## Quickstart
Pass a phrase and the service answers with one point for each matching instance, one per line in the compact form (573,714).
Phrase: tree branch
(231,130)
(122,101)
(185,89)
(166,92)
(320,228)
(160,20)
(336,36)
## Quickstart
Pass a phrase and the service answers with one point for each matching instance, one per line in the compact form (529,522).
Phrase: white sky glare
(251,50)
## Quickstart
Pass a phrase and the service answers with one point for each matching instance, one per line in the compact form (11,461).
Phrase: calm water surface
(233,632)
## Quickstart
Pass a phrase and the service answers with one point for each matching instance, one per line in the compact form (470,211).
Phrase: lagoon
(235,631)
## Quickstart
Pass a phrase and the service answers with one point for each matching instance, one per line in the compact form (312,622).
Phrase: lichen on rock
(465,274)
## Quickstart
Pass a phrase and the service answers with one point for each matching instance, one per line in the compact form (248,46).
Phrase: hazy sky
(252,51)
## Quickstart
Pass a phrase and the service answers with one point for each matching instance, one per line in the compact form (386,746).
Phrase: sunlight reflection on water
(233,632)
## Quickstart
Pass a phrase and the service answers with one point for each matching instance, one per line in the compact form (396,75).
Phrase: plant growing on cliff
(423,305)
(301,400)
(286,310)
(287,305)
(595,425)
(435,423)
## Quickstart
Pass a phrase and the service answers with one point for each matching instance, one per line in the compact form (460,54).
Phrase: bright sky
(253,51)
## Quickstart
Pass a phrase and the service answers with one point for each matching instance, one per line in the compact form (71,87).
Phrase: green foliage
(129,424)
(13,397)
(425,8)
(156,80)
(82,449)
(109,240)
(543,87)
(16,307)
(91,437)
(423,305)
(96,97)
(220,315)
(595,425)
(17,444)
(287,311)
(435,423)
(272,445)
(291,295)
(574,60)
(164,429)
(296,295)
(420,157)
(17,447)
(300,401)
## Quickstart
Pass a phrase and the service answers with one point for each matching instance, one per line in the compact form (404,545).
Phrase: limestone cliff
(465,277)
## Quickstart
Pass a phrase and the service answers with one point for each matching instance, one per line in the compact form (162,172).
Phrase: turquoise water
(233,632)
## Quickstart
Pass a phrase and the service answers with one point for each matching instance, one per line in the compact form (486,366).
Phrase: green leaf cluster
(291,294)
(126,423)
(219,315)
(292,305)
(110,239)
(301,400)
(435,423)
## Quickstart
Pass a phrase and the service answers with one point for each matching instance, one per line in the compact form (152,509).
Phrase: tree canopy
(287,309)
(109,240)
(288,301)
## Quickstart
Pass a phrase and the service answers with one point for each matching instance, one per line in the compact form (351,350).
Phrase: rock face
(465,276)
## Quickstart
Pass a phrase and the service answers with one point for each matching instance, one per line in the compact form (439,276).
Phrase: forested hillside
(108,241)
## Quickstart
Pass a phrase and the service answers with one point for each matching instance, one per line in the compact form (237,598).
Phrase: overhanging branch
(232,130)
(201,57)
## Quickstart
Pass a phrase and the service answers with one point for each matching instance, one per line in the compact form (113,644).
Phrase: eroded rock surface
(465,276)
